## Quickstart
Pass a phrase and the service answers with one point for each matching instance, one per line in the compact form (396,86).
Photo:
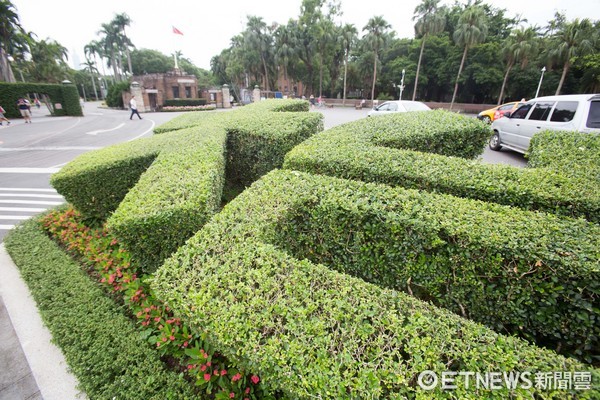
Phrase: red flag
(177,31)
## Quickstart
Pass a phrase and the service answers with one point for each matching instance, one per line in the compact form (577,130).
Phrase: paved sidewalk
(31,367)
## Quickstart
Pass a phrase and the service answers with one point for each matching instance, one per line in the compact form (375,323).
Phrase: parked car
(494,113)
(398,106)
(578,112)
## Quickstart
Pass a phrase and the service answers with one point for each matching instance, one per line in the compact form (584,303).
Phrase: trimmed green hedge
(64,95)
(313,332)
(570,152)
(175,180)
(257,143)
(531,274)
(185,102)
(96,182)
(102,347)
(354,151)
(174,198)
(440,132)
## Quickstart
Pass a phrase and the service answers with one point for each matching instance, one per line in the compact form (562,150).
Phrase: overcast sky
(208,26)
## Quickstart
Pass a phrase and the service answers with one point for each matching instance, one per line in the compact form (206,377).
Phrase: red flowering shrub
(106,260)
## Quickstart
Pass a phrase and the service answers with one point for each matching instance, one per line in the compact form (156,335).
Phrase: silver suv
(577,112)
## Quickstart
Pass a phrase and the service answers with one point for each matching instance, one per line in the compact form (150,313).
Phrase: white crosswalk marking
(15,204)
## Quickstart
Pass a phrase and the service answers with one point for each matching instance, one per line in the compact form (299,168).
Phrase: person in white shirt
(133,107)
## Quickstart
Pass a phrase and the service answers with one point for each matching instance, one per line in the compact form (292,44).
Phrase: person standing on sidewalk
(2,117)
(24,109)
(133,106)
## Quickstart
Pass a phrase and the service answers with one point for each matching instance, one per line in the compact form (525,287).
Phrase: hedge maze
(382,249)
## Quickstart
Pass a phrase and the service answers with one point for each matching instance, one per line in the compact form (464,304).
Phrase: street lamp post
(402,84)
(540,84)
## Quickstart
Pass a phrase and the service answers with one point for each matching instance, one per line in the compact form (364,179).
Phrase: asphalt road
(31,153)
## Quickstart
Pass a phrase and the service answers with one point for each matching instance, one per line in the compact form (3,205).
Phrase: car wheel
(486,119)
(495,142)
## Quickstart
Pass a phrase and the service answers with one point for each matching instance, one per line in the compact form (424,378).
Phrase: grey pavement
(31,367)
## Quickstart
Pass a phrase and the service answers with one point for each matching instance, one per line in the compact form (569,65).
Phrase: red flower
(223,372)
(236,377)
(255,379)
(203,368)
(207,377)
(247,390)
(231,395)
(216,372)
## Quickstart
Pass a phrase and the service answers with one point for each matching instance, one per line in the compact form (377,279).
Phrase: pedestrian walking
(2,117)
(37,103)
(25,109)
(134,110)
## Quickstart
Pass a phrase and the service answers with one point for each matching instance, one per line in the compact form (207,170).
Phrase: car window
(506,107)
(593,120)
(521,112)
(541,111)
(564,111)
(393,107)
(415,106)
(383,107)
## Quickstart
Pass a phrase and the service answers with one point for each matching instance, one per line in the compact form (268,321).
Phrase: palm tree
(94,49)
(519,47)
(573,39)
(285,50)
(48,62)
(471,30)
(109,43)
(430,21)
(376,35)
(257,37)
(121,21)
(90,66)
(12,37)
(349,35)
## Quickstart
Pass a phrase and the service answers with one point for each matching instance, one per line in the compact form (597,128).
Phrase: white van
(576,112)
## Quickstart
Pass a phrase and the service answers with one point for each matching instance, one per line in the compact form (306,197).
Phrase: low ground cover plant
(184,350)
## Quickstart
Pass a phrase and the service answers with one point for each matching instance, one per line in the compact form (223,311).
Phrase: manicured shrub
(96,182)
(64,99)
(310,331)
(174,198)
(185,102)
(257,143)
(570,152)
(440,132)
(102,348)
(351,151)
(174,181)
(516,271)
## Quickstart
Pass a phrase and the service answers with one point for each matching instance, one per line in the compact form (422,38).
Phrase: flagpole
(176,32)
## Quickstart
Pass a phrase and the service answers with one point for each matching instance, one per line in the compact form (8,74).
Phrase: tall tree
(285,51)
(519,47)
(90,67)
(430,21)
(572,39)
(471,30)
(110,45)
(349,36)
(48,62)
(376,28)
(260,40)
(12,38)
(121,21)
